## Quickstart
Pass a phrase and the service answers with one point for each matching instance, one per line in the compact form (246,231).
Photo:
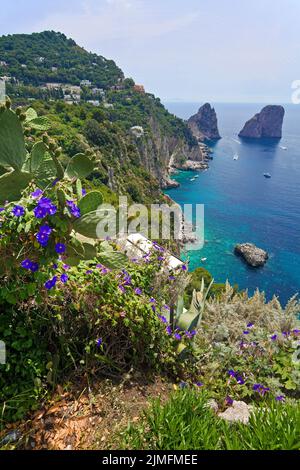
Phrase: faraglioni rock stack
(204,124)
(266,124)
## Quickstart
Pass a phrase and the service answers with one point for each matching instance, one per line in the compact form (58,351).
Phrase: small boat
(236,157)
(283,148)
(267,175)
(203,260)
(197,176)
(192,179)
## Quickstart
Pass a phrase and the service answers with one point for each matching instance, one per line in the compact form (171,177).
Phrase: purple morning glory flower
(172,278)
(44,207)
(60,248)
(162,319)
(261,389)
(42,238)
(54,182)
(45,229)
(199,384)
(122,289)
(153,308)
(166,307)
(177,336)
(34,267)
(152,300)
(231,373)
(83,191)
(274,337)
(250,325)
(18,211)
(184,267)
(37,193)
(160,258)
(74,210)
(26,264)
(51,283)
(229,401)
(89,271)
(98,342)
(280,398)
(286,334)
(64,278)
(30,265)
(296,332)
(2,209)
(240,380)
(245,332)
(190,334)
(40,212)
(138,291)
(66,267)
(169,330)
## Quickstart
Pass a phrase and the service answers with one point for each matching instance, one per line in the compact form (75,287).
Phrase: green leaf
(79,189)
(12,145)
(41,123)
(87,224)
(80,166)
(46,172)
(112,259)
(12,184)
(38,153)
(30,114)
(90,202)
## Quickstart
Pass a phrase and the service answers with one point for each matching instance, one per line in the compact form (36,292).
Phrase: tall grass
(185,422)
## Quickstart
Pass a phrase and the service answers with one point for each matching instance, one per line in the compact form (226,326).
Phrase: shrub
(246,341)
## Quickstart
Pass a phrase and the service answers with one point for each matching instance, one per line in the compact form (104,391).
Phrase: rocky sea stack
(204,124)
(254,256)
(266,124)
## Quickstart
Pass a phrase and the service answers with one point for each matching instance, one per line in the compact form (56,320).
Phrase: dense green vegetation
(40,52)
(186,422)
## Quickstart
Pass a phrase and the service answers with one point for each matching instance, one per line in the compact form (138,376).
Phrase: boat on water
(283,148)
(192,179)
(197,176)
(203,260)
(267,175)
(236,157)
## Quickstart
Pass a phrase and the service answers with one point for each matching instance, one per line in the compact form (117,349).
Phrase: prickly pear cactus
(12,145)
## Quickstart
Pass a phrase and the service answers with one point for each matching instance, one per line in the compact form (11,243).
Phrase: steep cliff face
(159,152)
(266,124)
(204,124)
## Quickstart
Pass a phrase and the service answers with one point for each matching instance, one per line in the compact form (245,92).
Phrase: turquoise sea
(243,206)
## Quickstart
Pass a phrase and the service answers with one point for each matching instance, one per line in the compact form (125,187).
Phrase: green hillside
(51,57)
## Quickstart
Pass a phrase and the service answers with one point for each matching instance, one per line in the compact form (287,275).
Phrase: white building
(94,102)
(86,83)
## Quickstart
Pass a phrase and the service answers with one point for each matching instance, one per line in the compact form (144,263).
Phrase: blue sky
(187,50)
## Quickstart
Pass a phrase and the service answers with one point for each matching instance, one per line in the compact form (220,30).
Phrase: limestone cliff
(160,152)
(266,124)
(204,124)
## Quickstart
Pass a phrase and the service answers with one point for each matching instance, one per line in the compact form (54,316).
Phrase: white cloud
(115,20)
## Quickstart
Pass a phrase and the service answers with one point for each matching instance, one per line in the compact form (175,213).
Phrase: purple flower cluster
(237,376)
(18,211)
(44,207)
(74,210)
(30,265)
(43,235)
(64,278)
(261,389)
